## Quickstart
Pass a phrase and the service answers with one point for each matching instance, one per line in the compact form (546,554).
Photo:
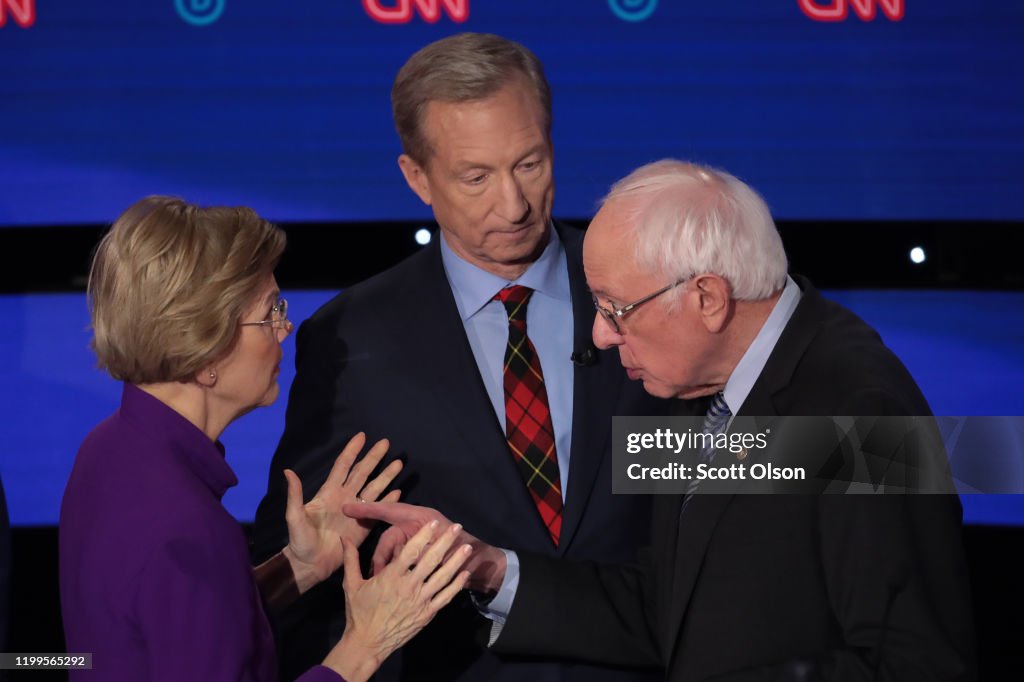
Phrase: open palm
(316,528)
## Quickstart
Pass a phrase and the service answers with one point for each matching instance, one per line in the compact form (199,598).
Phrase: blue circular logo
(633,10)
(200,12)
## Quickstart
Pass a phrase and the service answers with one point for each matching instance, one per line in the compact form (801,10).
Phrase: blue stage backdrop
(835,109)
(963,348)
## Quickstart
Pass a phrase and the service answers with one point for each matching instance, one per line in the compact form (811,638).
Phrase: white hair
(690,220)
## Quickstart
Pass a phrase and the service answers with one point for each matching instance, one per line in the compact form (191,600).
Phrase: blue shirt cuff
(497,609)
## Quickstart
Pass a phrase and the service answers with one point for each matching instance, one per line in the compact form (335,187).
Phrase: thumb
(293,507)
(388,547)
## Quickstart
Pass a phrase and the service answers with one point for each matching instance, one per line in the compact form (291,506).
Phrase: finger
(387,558)
(414,548)
(446,568)
(393,496)
(362,470)
(293,510)
(436,552)
(396,514)
(442,598)
(353,575)
(375,487)
(390,544)
(339,472)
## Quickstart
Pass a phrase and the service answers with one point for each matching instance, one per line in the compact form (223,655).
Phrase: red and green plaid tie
(531,436)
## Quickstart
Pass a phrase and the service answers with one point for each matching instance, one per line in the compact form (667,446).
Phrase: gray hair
(461,68)
(689,219)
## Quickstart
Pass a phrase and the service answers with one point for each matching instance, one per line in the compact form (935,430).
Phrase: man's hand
(486,566)
(315,530)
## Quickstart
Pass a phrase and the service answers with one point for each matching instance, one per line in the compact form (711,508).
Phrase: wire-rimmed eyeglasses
(613,315)
(278,317)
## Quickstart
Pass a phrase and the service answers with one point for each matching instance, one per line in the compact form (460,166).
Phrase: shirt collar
(203,457)
(749,368)
(474,287)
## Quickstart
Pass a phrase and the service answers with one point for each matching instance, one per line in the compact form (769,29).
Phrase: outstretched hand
(316,528)
(486,566)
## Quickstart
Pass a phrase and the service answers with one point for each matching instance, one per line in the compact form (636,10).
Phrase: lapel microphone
(585,357)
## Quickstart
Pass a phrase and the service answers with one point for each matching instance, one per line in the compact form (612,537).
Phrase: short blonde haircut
(169,284)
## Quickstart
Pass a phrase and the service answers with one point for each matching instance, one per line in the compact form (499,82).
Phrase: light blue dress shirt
(736,390)
(750,366)
(549,325)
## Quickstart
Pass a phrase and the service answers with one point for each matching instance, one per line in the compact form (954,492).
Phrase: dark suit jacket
(390,357)
(784,587)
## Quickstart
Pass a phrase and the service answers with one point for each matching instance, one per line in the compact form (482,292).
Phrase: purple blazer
(155,579)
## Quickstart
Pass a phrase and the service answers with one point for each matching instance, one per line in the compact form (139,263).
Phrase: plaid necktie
(531,436)
(715,421)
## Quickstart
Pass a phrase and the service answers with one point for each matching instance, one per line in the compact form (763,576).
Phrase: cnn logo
(22,11)
(401,11)
(839,10)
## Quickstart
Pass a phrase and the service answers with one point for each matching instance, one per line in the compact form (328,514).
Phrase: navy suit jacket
(785,587)
(390,357)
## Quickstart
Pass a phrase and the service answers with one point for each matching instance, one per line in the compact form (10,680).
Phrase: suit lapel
(693,535)
(595,387)
(692,538)
(445,361)
(790,348)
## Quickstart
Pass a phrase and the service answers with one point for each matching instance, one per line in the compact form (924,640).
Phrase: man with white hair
(689,278)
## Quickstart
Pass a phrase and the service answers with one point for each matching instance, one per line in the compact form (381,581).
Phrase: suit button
(742,454)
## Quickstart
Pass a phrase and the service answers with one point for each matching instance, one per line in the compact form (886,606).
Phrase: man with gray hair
(690,284)
(473,358)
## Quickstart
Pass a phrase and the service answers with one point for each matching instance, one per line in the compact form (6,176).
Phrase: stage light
(423,236)
(917,255)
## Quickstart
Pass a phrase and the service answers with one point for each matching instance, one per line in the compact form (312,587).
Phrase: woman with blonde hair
(155,577)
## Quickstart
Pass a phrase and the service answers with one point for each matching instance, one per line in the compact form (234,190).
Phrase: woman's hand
(385,612)
(316,529)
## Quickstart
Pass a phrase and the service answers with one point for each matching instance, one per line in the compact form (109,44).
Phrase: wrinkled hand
(486,566)
(316,529)
(386,611)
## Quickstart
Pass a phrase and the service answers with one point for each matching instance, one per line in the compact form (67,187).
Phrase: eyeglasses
(614,315)
(278,317)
